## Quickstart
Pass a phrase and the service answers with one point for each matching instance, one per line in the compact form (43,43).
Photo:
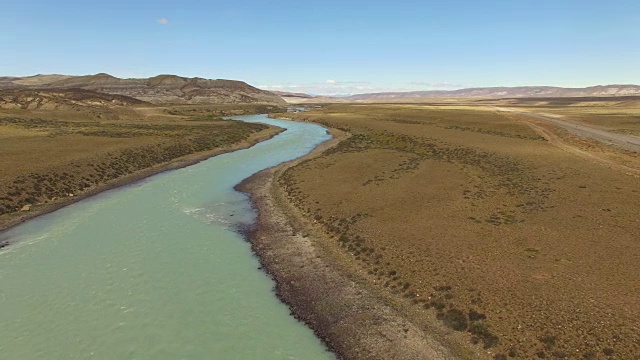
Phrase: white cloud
(330,81)
(163,21)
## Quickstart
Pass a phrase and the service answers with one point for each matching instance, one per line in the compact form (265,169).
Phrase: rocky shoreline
(349,318)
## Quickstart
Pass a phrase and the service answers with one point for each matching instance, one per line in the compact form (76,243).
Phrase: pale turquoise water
(154,270)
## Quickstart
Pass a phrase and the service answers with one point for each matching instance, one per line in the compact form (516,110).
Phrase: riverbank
(180,162)
(467,218)
(351,318)
(156,269)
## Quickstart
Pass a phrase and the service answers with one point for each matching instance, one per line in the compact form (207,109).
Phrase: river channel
(154,270)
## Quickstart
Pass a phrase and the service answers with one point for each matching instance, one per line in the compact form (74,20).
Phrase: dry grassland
(46,162)
(618,114)
(471,217)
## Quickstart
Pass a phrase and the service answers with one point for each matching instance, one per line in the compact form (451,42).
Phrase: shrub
(456,320)
(476,316)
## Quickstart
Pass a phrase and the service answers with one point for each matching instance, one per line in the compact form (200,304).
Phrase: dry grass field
(616,114)
(470,216)
(46,162)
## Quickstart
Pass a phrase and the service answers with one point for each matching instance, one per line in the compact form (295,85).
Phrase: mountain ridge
(502,92)
(516,91)
(34,99)
(161,89)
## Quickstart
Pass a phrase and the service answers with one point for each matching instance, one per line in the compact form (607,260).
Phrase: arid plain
(518,237)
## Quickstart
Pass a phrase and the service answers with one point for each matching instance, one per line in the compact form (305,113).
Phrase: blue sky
(330,47)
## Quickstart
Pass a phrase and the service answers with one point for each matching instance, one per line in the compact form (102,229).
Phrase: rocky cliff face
(162,89)
(63,99)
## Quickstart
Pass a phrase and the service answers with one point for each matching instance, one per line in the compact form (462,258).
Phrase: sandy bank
(350,318)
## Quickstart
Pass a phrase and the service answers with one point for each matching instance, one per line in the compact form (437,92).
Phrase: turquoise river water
(154,270)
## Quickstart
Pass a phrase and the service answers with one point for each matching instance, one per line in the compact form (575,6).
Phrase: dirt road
(628,142)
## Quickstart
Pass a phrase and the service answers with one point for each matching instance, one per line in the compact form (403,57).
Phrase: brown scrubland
(57,146)
(519,239)
(615,114)
(497,234)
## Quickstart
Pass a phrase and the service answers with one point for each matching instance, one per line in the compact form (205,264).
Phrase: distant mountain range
(285,94)
(162,89)
(173,89)
(474,93)
(508,92)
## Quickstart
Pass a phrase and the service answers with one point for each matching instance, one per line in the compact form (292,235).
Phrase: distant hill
(39,80)
(62,99)
(499,92)
(6,82)
(162,89)
(285,94)
(302,98)
(521,92)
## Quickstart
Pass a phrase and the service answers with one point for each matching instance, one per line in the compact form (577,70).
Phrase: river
(154,270)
